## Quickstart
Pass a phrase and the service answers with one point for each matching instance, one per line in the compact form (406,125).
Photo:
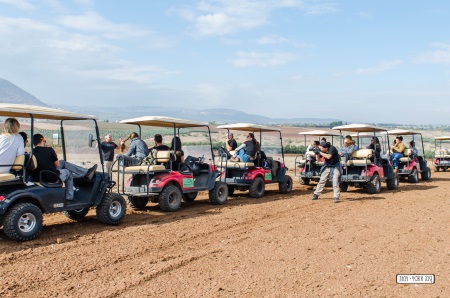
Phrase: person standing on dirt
(330,170)
(136,153)
(397,152)
(11,144)
(47,160)
(108,147)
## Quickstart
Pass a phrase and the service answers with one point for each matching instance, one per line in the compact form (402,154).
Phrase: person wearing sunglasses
(247,150)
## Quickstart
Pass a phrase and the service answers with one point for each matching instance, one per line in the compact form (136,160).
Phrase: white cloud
(439,56)
(21,4)
(222,17)
(255,59)
(383,67)
(271,39)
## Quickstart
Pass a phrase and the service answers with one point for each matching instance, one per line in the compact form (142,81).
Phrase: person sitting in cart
(414,151)
(375,145)
(136,153)
(11,144)
(314,146)
(179,153)
(397,152)
(159,143)
(247,150)
(347,150)
(47,160)
(231,143)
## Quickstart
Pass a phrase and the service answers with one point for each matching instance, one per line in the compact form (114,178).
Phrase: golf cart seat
(17,166)
(443,153)
(361,157)
(406,156)
(162,156)
(235,164)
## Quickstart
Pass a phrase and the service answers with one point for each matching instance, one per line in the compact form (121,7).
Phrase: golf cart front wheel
(78,214)
(23,222)
(374,185)
(414,176)
(219,194)
(137,202)
(426,174)
(392,183)
(286,185)
(112,209)
(304,181)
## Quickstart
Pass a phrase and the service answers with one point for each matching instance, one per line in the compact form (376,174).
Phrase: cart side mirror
(91,140)
(55,139)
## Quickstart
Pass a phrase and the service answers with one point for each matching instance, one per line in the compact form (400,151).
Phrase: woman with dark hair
(247,150)
(179,153)
(136,153)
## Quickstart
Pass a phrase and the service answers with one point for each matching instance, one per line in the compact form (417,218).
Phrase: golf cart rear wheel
(137,202)
(170,198)
(23,222)
(426,174)
(304,181)
(343,186)
(392,183)
(414,176)
(219,194)
(374,185)
(78,214)
(231,190)
(444,169)
(286,185)
(257,188)
(112,209)
(190,196)
(436,169)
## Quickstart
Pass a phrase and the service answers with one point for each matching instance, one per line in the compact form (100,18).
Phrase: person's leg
(323,180)
(395,158)
(66,177)
(242,156)
(77,171)
(108,165)
(336,188)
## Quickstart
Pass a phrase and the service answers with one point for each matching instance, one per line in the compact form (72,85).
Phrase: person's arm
(229,148)
(326,155)
(55,159)
(131,150)
(241,147)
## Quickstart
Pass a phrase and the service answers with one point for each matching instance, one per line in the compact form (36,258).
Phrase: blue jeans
(395,157)
(242,156)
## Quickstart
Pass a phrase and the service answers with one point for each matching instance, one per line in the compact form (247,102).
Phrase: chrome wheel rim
(115,209)
(27,222)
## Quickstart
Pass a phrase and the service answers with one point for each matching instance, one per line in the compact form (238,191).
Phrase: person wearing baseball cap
(330,170)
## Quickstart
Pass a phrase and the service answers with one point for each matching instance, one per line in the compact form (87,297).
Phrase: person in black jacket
(330,170)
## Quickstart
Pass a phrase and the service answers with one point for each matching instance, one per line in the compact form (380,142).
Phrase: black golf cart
(159,182)
(254,175)
(22,201)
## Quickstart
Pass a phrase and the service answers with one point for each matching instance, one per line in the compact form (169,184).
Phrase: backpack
(150,159)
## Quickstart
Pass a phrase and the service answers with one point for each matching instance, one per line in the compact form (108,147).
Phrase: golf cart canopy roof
(319,133)
(162,121)
(366,135)
(443,138)
(398,132)
(355,127)
(24,111)
(248,127)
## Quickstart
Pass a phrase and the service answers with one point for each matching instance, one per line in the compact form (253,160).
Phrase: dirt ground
(277,246)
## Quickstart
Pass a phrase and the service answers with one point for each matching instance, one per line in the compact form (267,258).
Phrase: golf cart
(159,183)
(308,169)
(410,166)
(22,201)
(441,155)
(253,176)
(364,169)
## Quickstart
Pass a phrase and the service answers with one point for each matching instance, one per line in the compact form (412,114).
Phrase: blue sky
(359,61)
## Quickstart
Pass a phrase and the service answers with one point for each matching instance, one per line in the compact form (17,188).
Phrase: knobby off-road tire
(137,202)
(343,186)
(112,209)
(257,188)
(304,181)
(414,176)
(374,185)
(23,222)
(285,186)
(392,183)
(190,196)
(170,198)
(426,175)
(219,194)
(78,214)
(231,190)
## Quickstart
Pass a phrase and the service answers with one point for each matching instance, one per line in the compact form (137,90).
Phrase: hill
(10,93)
